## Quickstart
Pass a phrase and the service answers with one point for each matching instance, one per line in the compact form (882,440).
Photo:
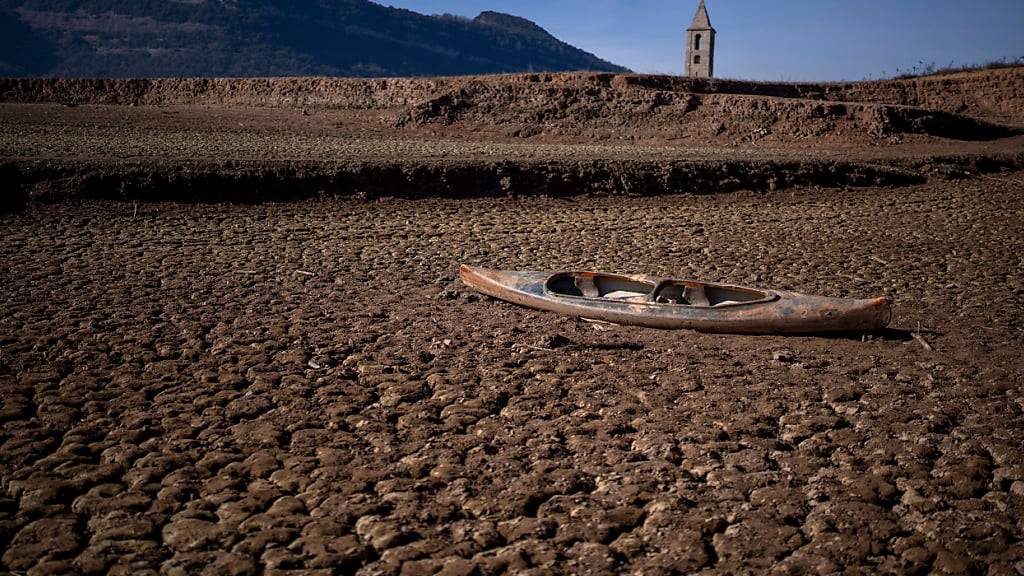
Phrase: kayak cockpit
(612,287)
(701,294)
(607,286)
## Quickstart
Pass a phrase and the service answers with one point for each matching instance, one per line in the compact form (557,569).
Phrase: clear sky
(775,39)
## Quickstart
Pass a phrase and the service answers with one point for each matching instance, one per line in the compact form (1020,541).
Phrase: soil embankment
(989,94)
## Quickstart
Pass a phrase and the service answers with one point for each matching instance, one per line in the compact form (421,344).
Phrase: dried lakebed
(303,386)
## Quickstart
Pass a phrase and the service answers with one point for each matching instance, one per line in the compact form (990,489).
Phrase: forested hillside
(269,38)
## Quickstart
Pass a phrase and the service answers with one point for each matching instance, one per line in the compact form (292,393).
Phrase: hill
(156,38)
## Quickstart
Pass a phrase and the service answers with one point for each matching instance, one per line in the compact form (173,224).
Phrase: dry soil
(303,387)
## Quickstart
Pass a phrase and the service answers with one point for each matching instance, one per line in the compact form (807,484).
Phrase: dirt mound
(612,112)
(994,95)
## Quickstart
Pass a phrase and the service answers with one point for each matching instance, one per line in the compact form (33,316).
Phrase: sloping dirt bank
(991,94)
(995,95)
(714,119)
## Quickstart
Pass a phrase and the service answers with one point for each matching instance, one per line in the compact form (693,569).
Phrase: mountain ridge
(212,38)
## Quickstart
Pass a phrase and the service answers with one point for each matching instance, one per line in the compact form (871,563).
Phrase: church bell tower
(700,45)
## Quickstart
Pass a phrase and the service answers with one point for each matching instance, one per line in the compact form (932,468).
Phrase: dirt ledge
(239,181)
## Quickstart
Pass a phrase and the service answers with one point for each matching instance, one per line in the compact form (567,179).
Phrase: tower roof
(701,20)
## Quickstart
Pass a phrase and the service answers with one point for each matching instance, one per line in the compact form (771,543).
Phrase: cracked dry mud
(304,388)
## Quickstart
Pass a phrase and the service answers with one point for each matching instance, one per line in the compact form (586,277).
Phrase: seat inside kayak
(625,289)
(607,286)
(697,294)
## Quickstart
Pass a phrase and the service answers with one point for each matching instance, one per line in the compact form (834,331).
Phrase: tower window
(696,42)
(696,59)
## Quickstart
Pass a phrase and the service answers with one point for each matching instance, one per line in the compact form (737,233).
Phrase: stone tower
(700,45)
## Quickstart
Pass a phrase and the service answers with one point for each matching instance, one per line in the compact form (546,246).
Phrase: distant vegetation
(931,69)
(269,38)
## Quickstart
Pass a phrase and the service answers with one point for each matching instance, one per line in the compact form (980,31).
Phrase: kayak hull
(769,311)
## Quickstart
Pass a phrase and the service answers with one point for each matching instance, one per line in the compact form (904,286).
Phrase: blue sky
(775,39)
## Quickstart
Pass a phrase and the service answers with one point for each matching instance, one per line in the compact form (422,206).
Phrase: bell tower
(700,45)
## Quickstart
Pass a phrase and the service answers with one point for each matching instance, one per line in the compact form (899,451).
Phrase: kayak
(668,303)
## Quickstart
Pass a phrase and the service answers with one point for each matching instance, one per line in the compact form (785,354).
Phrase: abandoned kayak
(679,304)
